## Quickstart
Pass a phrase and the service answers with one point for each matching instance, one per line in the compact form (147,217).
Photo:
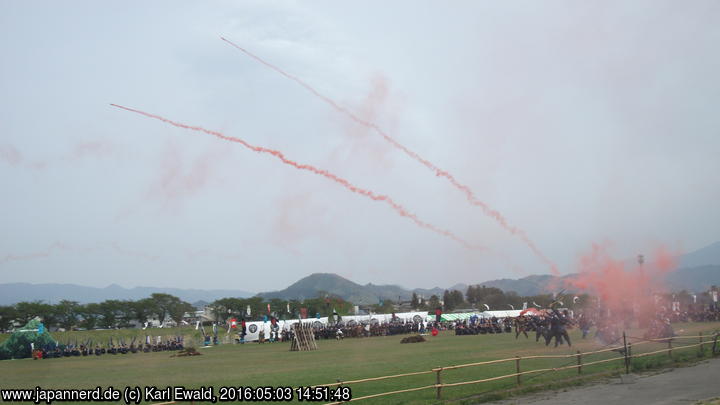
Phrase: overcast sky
(579,122)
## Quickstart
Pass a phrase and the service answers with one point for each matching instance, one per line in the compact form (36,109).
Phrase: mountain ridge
(11,293)
(699,270)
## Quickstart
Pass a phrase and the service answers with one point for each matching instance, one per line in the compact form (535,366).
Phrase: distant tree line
(478,296)
(256,308)
(112,314)
(107,314)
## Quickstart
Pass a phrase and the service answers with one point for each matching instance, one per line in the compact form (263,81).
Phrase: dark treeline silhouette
(111,314)
(160,307)
(108,314)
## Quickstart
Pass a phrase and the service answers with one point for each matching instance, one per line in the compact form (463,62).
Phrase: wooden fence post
(702,350)
(625,353)
(630,353)
(517,369)
(579,362)
(670,347)
(438,381)
(714,346)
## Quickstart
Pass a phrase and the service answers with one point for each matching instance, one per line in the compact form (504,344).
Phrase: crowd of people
(481,326)
(88,349)
(553,324)
(547,324)
(339,330)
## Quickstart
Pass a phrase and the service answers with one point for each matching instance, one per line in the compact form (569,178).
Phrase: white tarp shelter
(254,328)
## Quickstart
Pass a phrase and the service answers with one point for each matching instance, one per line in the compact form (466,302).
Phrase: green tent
(17,346)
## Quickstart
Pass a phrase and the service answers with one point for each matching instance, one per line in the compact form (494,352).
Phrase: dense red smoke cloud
(402,211)
(469,194)
(620,285)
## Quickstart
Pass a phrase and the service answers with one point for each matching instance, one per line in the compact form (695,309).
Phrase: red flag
(303,313)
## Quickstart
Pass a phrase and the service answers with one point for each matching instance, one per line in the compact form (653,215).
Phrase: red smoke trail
(49,251)
(343,182)
(438,172)
(58,247)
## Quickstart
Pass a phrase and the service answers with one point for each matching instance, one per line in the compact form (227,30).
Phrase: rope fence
(624,351)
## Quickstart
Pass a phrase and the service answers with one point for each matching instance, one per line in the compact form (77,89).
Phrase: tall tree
(144,309)
(433,302)
(163,304)
(472,295)
(7,317)
(110,313)
(90,315)
(447,301)
(223,308)
(67,314)
(178,309)
(29,310)
(457,298)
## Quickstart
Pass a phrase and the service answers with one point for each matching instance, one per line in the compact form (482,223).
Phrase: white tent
(501,314)
(254,328)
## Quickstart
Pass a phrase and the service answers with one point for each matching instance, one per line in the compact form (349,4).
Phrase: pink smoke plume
(10,155)
(469,194)
(93,147)
(178,179)
(619,285)
(363,140)
(402,211)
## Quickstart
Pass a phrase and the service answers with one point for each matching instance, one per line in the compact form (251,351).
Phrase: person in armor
(558,329)
(585,324)
(521,326)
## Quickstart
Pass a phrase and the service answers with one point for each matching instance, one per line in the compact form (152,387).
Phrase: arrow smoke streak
(343,182)
(469,194)
(59,247)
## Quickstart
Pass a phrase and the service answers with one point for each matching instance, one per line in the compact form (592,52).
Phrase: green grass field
(274,365)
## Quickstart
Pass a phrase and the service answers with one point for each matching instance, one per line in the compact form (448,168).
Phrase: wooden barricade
(303,338)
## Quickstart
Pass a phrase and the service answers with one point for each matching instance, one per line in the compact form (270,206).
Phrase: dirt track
(677,386)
